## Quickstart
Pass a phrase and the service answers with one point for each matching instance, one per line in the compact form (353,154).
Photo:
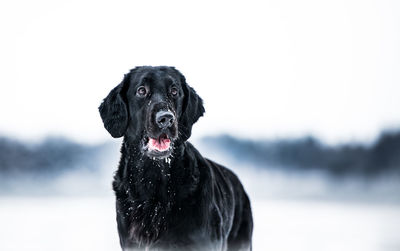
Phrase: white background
(264,68)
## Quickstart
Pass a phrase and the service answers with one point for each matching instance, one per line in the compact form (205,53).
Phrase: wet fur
(185,202)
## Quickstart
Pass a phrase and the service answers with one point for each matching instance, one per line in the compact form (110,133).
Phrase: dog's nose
(164,119)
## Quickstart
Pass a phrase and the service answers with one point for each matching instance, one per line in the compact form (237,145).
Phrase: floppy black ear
(114,111)
(192,109)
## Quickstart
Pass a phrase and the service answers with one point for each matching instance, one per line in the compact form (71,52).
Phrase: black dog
(168,196)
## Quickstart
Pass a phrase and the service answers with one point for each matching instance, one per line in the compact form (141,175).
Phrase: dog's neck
(161,187)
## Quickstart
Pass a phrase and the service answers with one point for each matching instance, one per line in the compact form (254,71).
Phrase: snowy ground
(292,211)
(87,223)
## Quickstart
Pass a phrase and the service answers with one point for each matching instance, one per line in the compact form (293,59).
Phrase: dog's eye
(141,91)
(174,91)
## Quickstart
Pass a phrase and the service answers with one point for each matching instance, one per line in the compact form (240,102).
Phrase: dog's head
(154,106)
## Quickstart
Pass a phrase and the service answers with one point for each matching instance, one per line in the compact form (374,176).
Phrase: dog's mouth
(160,144)
(160,147)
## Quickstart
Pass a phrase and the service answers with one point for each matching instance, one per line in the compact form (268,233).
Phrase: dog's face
(153,106)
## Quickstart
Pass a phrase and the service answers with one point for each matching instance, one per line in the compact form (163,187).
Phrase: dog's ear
(114,111)
(192,109)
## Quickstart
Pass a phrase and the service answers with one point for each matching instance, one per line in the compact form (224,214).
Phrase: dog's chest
(150,197)
(147,220)
(148,206)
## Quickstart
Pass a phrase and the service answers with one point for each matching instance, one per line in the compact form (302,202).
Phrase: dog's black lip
(158,136)
(161,136)
(159,155)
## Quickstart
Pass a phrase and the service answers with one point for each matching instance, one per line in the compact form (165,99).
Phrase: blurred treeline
(53,156)
(50,157)
(380,158)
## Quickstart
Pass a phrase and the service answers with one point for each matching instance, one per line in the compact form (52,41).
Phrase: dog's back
(242,223)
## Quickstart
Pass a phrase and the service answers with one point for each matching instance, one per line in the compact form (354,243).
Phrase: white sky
(264,68)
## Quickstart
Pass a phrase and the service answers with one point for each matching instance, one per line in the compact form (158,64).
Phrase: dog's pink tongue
(159,145)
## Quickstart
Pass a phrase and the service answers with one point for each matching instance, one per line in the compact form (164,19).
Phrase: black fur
(172,200)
